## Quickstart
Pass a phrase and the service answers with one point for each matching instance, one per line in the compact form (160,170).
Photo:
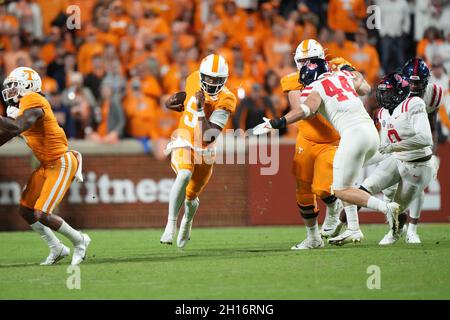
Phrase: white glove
(386,148)
(12,112)
(435,162)
(262,128)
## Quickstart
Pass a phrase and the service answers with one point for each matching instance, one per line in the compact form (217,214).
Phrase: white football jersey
(341,105)
(400,126)
(433,97)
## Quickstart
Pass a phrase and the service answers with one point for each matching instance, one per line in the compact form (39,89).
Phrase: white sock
(313,232)
(177,195)
(416,206)
(412,227)
(352,217)
(190,208)
(72,234)
(333,209)
(46,234)
(377,204)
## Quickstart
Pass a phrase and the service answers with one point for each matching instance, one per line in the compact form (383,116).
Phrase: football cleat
(331,228)
(169,233)
(347,236)
(56,255)
(309,243)
(412,237)
(185,233)
(79,252)
(391,238)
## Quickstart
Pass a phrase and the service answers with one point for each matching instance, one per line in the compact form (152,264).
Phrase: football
(175,101)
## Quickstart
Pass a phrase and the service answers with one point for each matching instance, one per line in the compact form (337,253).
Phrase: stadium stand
(108,79)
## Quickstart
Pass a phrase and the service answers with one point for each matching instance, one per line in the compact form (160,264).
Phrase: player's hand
(200,96)
(262,128)
(12,112)
(386,148)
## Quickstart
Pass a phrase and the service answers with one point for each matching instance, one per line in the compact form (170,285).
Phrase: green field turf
(230,263)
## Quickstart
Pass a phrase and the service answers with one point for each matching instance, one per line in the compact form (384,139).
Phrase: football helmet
(213,74)
(392,90)
(417,73)
(311,71)
(308,49)
(19,82)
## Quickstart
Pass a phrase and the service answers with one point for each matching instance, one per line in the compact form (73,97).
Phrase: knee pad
(308,212)
(306,200)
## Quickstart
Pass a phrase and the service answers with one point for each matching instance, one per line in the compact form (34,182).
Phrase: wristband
(306,110)
(201,113)
(278,123)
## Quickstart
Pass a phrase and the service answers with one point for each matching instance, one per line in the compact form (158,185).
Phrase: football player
(417,73)
(406,134)
(30,115)
(315,147)
(207,105)
(335,95)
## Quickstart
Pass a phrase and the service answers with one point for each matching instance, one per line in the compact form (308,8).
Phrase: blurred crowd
(109,78)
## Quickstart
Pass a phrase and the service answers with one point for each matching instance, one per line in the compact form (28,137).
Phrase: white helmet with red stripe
(308,49)
(19,82)
(213,74)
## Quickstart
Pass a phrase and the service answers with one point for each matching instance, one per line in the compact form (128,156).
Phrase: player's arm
(361,86)
(176,101)
(432,119)
(299,111)
(14,127)
(211,128)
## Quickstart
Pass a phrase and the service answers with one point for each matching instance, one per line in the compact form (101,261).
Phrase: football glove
(12,112)
(262,128)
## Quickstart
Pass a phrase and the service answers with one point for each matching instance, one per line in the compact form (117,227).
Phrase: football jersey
(45,138)
(316,129)
(188,127)
(433,97)
(399,126)
(341,105)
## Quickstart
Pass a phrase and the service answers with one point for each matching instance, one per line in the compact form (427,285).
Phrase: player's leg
(183,164)
(58,178)
(200,177)
(303,170)
(356,147)
(414,214)
(306,202)
(415,178)
(385,178)
(26,211)
(321,187)
(416,207)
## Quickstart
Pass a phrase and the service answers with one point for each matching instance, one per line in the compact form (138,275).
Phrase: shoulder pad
(290,82)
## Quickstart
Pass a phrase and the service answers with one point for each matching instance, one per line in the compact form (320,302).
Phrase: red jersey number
(331,90)
(393,136)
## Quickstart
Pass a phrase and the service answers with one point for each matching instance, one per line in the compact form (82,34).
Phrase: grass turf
(230,263)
